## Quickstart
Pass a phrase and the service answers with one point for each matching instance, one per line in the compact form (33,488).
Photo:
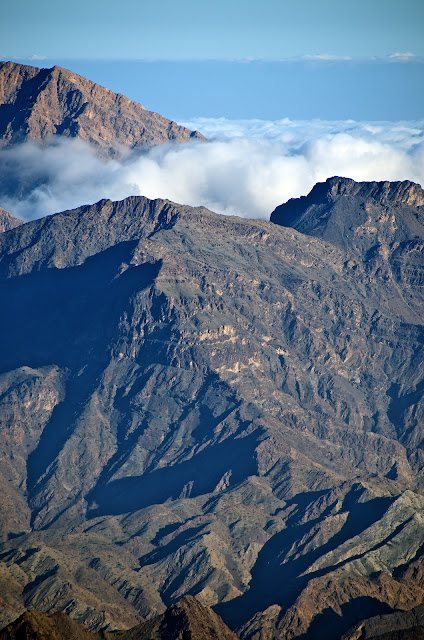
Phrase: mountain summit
(357,214)
(7,221)
(38,103)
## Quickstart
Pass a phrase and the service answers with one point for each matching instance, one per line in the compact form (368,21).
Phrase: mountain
(402,625)
(215,406)
(380,223)
(7,221)
(188,619)
(38,103)
(357,215)
(35,625)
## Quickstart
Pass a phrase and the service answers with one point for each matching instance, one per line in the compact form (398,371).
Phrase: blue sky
(238,59)
(222,29)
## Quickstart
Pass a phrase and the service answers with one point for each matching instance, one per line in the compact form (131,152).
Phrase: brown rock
(34,625)
(38,103)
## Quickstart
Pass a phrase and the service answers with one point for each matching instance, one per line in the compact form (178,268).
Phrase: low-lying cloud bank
(247,168)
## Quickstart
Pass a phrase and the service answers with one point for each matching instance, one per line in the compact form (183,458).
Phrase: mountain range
(226,408)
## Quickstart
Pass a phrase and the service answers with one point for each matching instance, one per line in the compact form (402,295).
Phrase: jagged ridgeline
(193,403)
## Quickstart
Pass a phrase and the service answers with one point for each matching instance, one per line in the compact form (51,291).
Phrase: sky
(218,29)
(234,58)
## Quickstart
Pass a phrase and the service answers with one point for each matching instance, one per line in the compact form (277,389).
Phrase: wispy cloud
(402,57)
(247,168)
(37,56)
(329,57)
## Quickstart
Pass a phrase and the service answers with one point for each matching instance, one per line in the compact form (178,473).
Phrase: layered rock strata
(193,403)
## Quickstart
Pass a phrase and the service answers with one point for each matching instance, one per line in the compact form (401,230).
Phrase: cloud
(247,168)
(325,56)
(36,56)
(402,57)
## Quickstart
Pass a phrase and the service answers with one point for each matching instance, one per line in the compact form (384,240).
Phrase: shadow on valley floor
(196,476)
(278,580)
(331,626)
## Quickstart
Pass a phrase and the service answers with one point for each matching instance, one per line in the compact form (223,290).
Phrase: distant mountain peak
(38,103)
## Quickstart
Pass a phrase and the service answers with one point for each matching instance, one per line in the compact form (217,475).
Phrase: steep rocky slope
(35,625)
(193,403)
(188,619)
(7,221)
(38,103)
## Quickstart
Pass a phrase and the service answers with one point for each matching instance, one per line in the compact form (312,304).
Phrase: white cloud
(36,56)
(325,56)
(402,56)
(247,169)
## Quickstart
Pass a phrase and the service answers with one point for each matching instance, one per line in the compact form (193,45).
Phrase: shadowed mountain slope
(194,403)
(401,625)
(38,103)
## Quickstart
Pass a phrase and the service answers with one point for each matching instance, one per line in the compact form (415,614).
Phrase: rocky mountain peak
(188,619)
(36,104)
(357,215)
(36,625)
(7,221)
(396,193)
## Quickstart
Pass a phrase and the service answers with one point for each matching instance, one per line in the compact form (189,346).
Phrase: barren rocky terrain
(187,619)
(7,221)
(38,103)
(206,405)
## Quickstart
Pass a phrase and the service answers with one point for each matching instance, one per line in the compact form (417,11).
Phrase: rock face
(38,103)
(7,221)
(193,403)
